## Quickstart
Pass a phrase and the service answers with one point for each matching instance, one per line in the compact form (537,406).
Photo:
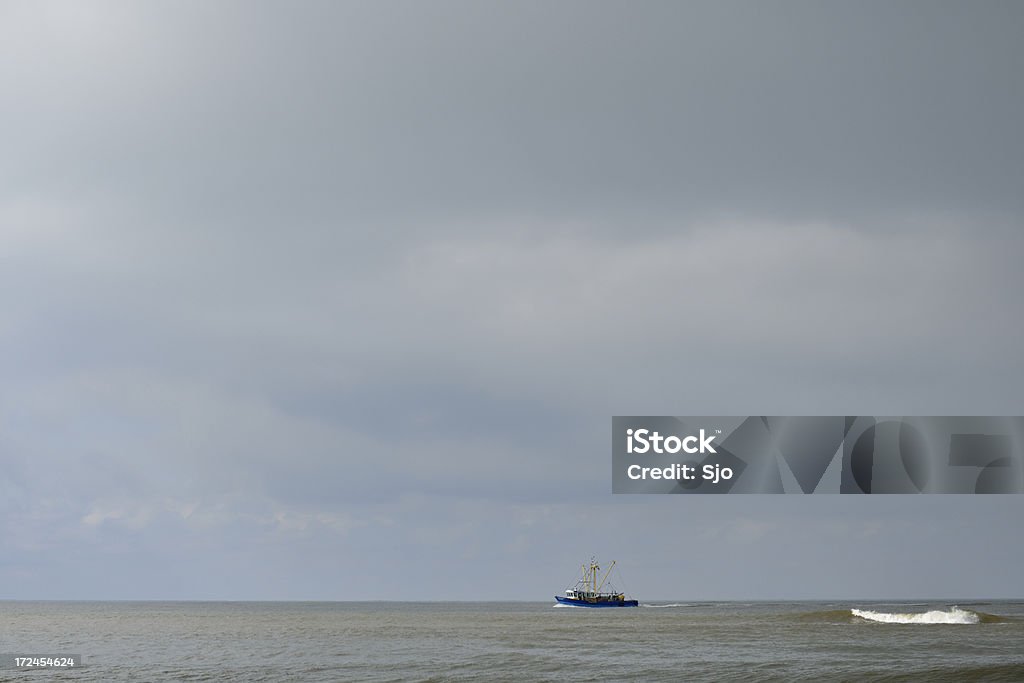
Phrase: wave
(829,616)
(954,615)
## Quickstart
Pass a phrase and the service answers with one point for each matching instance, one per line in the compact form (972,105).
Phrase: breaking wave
(954,615)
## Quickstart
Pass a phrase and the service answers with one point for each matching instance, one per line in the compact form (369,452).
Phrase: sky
(336,300)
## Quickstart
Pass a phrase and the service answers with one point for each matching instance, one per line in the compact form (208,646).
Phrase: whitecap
(954,615)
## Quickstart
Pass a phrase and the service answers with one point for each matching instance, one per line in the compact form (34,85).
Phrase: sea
(516,641)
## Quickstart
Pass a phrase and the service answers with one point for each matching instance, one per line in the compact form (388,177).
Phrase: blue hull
(603,603)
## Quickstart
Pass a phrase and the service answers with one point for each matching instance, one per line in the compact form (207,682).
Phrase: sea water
(394,641)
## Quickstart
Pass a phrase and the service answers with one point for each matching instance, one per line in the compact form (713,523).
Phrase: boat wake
(673,604)
(954,615)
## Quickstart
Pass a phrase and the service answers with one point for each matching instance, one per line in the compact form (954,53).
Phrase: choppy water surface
(207,641)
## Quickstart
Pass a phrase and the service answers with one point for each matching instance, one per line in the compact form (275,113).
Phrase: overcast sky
(336,300)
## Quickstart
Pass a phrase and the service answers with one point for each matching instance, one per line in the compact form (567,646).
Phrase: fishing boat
(587,592)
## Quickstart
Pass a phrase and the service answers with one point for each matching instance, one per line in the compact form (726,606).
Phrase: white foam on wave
(955,615)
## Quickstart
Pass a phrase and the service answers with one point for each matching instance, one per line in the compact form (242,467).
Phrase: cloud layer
(321,291)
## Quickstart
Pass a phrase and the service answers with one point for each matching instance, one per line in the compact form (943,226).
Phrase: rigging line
(622,582)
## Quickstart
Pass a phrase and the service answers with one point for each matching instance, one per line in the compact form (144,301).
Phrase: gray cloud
(351,112)
(331,281)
